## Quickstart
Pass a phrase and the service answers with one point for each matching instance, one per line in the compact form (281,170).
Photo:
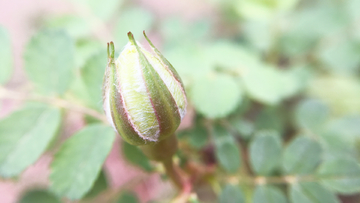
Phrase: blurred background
(288,66)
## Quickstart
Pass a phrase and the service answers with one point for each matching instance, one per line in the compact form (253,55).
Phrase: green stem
(173,173)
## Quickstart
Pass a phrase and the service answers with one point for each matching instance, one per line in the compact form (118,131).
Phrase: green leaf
(229,55)
(99,186)
(6,56)
(243,127)
(311,115)
(38,196)
(134,20)
(341,57)
(301,156)
(24,136)
(265,152)
(135,156)
(76,26)
(49,61)
(268,194)
(216,96)
(103,9)
(78,162)
(226,150)
(196,136)
(127,197)
(231,194)
(270,119)
(310,192)
(341,175)
(268,85)
(92,74)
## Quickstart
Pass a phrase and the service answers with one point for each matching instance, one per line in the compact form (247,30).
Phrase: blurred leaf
(6,56)
(75,26)
(243,127)
(79,160)
(341,136)
(301,156)
(309,192)
(231,194)
(99,186)
(103,9)
(342,97)
(229,55)
(226,150)
(127,197)
(268,85)
(134,20)
(268,194)
(190,61)
(259,34)
(196,136)
(341,56)
(270,119)
(310,24)
(38,196)
(135,156)
(311,115)
(49,61)
(24,136)
(265,152)
(92,74)
(85,49)
(177,32)
(263,9)
(216,96)
(341,175)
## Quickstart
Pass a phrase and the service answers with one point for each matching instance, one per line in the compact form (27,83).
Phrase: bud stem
(163,152)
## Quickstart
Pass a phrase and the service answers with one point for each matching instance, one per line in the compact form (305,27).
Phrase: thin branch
(20,96)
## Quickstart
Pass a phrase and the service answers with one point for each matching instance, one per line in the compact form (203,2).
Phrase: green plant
(273,93)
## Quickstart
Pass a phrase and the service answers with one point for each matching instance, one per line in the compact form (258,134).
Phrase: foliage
(274,87)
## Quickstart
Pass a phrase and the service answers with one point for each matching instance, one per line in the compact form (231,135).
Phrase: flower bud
(144,97)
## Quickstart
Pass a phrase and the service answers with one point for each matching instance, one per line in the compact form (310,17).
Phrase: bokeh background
(289,66)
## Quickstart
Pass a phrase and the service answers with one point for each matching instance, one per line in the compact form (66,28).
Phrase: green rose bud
(144,97)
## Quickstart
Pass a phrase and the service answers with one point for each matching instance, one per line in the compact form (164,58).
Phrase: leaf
(196,136)
(310,192)
(92,74)
(231,194)
(301,156)
(78,162)
(134,20)
(341,57)
(229,55)
(127,197)
(135,156)
(99,186)
(49,61)
(6,56)
(268,194)
(311,115)
(38,196)
(345,101)
(268,85)
(103,9)
(270,119)
(74,25)
(265,152)
(24,136)
(226,150)
(216,96)
(341,175)
(243,127)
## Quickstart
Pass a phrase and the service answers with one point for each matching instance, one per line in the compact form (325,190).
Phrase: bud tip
(131,38)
